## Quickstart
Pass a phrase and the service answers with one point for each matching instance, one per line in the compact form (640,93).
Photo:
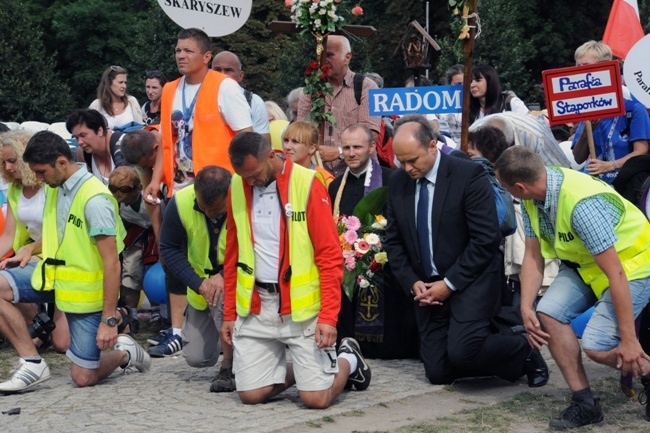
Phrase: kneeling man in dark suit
(442,242)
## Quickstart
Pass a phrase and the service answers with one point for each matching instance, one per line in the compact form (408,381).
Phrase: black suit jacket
(466,236)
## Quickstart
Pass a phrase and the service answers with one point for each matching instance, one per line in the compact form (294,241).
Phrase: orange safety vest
(210,135)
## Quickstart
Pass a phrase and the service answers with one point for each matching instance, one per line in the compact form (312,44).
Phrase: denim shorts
(20,281)
(568,297)
(83,349)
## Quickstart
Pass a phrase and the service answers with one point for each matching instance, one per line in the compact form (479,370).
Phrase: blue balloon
(580,323)
(154,284)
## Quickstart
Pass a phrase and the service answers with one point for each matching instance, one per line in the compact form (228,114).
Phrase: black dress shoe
(536,369)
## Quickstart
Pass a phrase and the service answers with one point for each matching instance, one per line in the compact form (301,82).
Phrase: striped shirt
(593,219)
(346,111)
(531,132)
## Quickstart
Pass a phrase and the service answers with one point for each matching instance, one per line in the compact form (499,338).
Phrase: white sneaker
(25,376)
(138,357)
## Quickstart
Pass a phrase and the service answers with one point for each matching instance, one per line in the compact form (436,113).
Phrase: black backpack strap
(116,149)
(249,97)
(509,96)
(358,87)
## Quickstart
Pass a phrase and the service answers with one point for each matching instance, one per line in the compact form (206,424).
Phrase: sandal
(128,321)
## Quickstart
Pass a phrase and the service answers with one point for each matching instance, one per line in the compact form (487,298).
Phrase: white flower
(363,283)
(313,8)
(298,13)
(317,23)
(372,239)
(322,12)
(331,14)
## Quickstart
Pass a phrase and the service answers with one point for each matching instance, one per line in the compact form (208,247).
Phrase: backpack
(385,152)
(505,208)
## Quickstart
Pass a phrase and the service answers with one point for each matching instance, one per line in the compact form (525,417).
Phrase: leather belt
(269,287)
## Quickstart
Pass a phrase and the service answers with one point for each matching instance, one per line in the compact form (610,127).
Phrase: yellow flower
(381,258)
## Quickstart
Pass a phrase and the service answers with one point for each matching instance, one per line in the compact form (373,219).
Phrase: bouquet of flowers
(362,250)
(317,86)
(320,16)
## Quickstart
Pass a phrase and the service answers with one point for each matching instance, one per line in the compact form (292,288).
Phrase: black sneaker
(360,378)
(643,397)
(224,381)
(578,414)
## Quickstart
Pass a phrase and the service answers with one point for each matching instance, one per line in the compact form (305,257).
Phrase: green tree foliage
(54,51)
(30,87)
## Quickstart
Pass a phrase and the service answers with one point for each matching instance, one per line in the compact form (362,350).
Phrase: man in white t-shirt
(228,63)
(200,113)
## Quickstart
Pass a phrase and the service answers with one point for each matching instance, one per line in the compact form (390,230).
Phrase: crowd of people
(240,203)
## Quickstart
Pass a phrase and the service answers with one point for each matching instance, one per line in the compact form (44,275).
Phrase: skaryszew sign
(583,93)
(215,17)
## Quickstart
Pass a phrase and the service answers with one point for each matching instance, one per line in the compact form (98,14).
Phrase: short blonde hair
(17,140)
(599,50)
(302,132)
(274,110)
(125,176)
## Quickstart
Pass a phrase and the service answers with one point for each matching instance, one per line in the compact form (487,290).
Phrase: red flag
(623,27)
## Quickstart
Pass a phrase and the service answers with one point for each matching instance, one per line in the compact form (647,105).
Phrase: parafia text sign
(215,17)
(420,100)
(583,93)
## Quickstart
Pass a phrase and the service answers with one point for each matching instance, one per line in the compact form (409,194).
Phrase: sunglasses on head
(119,69)
(153,74)
(123,189)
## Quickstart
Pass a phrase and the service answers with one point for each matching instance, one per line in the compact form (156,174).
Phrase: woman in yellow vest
(22,232)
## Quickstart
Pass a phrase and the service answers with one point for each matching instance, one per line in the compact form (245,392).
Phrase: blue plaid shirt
(593,219)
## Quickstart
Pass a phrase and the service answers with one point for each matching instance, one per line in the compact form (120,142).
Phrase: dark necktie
(422,223)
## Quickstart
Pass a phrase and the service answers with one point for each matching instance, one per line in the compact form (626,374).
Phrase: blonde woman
(300,143)
(22,234)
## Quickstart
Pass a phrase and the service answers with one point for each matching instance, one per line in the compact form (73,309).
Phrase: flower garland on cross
(320,18)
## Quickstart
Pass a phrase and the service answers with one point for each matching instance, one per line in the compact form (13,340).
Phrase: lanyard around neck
(187,111)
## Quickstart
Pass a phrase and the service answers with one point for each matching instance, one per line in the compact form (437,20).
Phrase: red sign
(583,93)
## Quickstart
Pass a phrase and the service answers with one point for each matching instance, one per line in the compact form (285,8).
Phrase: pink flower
(337,1)
(288,3)
(350,263)
(357,11)
(352,223)
(351,236)
(316,1)
(361,247)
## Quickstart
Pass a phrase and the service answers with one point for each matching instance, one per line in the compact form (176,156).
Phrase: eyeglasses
(118,69)
(153,74)
(123,189)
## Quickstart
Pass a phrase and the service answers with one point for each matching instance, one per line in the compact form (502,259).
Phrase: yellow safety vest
(21,235)
(305,276)
(633,232)
(198,242)
(73,266)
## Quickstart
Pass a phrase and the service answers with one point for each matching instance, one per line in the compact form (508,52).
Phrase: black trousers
(451,350)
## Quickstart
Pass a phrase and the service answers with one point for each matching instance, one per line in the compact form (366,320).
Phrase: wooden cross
(468,36)
(290,27)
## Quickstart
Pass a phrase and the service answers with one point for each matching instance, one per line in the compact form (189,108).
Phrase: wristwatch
(340,152)
(110,321)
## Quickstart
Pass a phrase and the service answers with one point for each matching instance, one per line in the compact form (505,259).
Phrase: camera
(42,326)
